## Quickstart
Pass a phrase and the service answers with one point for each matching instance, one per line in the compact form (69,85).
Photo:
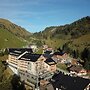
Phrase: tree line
(83,57)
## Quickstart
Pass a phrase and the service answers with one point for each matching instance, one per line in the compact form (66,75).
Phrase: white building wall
(14,69)
(46,66)
(31,68)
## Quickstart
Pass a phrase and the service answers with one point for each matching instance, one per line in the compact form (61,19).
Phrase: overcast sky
(35,15)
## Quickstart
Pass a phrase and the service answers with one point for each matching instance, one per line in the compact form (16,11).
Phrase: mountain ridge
(81,24)
(56,36)
(13,28)
(12,35)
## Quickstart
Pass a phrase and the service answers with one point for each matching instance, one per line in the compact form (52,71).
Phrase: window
(27,75)
(29,66)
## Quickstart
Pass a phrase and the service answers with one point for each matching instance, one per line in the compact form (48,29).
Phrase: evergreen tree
(75,54)
(85,55)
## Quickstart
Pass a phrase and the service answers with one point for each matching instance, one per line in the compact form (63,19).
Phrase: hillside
(76,34)
(69,31)
(12,35)
(13,28)
(7,39)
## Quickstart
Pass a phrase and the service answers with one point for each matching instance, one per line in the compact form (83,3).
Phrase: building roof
(59,53)
(50,61)
(75,68)
(19,51)
(47,55)
(66,82)
(48,52)
(30,57)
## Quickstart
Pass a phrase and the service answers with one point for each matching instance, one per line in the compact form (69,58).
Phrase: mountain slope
(73,30)
(12,35)
(13,28)
(76,34)
(7,39)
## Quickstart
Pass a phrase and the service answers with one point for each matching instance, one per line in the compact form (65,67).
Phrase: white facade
(32,68)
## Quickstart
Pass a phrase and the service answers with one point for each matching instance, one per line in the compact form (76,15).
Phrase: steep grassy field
(13,28)
(55,43)
(7,39)
(81,42)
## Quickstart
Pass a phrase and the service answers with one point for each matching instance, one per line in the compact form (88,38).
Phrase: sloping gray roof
(50,61)
(30,57)
(18,51)
(66,82)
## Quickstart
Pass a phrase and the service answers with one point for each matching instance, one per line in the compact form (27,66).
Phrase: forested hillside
(76,34)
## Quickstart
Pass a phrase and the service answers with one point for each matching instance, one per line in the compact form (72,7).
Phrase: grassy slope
(55,43)
(81,42)
(15,29)
(7,39)
(76,35)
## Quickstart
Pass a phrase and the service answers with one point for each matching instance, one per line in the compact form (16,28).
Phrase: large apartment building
(14,53)
(28,65)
